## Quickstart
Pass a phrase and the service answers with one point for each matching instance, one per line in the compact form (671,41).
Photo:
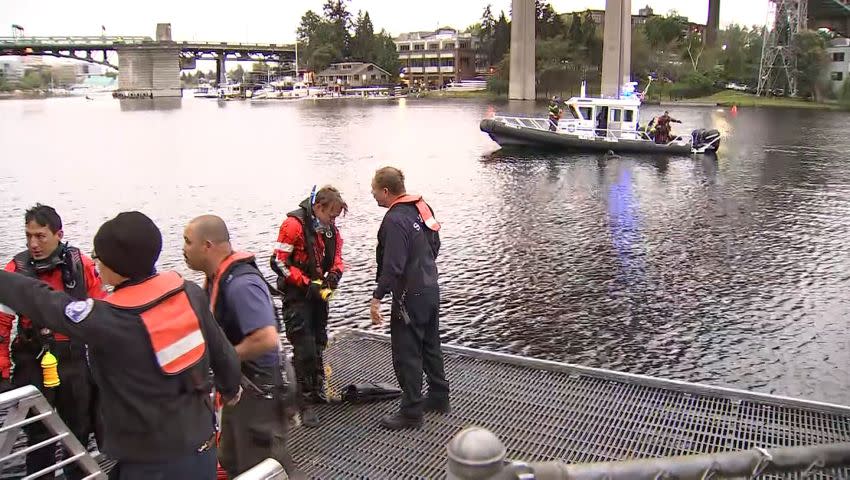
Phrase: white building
(839,62)
(439,57)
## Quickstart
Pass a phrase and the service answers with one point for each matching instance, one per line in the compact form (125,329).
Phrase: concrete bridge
(149,67)
(831,14)
(616,60)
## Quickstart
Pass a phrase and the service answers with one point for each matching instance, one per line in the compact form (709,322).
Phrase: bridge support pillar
(617,50)
(149,71)
(220,71)
(522,79)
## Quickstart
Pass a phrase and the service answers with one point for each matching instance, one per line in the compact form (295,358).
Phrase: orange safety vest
(172,324)
(424,210)
(234,257)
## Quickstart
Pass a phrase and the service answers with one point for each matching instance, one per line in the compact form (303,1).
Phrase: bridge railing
(71,40)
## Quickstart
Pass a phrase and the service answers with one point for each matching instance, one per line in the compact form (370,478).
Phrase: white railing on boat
(612,135)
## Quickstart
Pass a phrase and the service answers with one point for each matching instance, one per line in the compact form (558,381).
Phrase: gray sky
(275,21)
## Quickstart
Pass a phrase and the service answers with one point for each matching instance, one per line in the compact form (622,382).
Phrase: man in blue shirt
(256,428)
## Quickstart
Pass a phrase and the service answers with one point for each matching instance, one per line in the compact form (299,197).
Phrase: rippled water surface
(730,270)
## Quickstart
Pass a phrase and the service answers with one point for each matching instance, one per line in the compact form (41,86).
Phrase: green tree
(386,55)
(5,86)
(662,31)
(337,14)
(812,60)
(363,43)
(32,80)
(501,39)
(486,30)
(548,24)
(310,23)
(237,74)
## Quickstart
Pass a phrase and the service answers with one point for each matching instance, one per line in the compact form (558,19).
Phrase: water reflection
(728,269)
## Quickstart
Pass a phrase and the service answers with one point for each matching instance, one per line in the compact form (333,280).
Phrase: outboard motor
(707,140)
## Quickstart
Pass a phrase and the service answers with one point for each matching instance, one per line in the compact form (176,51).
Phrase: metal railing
(20,403)
(70,40)
(477,454)
(268,469)
(610,134)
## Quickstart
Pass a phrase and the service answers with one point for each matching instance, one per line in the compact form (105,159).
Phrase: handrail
(477,454)
(268,469)
(20,402)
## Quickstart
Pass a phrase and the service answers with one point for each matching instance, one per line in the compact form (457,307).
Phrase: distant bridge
(832,14)
(150,67)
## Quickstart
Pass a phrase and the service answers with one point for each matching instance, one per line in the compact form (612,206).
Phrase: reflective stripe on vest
(168,316)
(235,257)
(422,207)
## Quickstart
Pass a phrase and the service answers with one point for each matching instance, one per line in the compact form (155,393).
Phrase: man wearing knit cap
(151,345)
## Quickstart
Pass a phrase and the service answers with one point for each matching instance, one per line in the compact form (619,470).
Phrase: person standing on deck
(255,428)
(151,345)
(408,244)
(62,267)
(308,261)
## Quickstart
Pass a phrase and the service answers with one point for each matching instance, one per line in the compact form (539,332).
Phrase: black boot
(438,405)
(397,421)
(319,393)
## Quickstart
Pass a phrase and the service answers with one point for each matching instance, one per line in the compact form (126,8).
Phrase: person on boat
(240,299)
(408,244)
(663,128)
(61,267)
(554,113)
(308,262)
(151,345)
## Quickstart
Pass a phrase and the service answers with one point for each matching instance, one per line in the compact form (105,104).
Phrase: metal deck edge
(623,377)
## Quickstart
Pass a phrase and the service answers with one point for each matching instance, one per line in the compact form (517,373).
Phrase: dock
(542,411)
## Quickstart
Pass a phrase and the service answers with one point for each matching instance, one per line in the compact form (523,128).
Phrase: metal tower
(778,55)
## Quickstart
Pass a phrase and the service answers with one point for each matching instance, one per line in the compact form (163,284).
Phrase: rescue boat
(595,124)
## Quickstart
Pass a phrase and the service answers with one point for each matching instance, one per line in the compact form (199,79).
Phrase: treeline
(337,35)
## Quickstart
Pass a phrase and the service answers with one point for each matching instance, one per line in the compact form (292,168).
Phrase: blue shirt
(249,298)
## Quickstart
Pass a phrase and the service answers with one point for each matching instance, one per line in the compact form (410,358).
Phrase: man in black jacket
(151,344)
(408,244)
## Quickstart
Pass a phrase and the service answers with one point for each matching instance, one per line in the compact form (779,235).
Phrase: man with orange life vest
(408,244)
(151,344)
(256,428)
(63,268)
(308,261)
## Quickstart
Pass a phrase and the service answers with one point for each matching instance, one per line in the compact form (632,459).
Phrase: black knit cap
(129,245)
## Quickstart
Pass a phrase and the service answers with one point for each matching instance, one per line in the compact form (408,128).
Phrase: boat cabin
(601,116)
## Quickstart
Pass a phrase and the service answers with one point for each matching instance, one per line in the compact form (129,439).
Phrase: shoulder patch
(78,311)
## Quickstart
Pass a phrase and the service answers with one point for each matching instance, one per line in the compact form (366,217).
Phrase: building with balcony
(354,74)
(436,58)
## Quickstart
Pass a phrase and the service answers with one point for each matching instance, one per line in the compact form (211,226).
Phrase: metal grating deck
(547,411)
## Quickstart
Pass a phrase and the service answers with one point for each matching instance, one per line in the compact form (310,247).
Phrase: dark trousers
(251,431)
(195,466)
(306,324)
(72,399)
(416,348)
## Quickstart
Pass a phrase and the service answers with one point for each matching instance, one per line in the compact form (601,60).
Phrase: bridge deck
(547,411)
(829,8)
